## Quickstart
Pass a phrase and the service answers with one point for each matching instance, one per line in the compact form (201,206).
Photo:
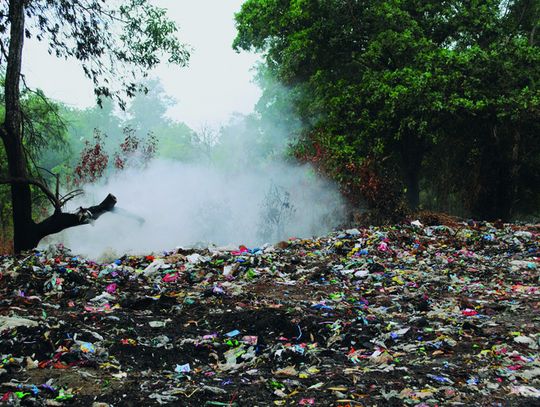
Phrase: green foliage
(146,114)
(81,124)
(116,42)
(443,94)
(147,111)
(43,125)
(175,141)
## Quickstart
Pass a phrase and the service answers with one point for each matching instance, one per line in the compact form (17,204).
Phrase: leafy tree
(135,152)
(147,111)
(175,141)
(95,162)
(410,85)
(115,43)
(145,114)
(92,163)
(81,124)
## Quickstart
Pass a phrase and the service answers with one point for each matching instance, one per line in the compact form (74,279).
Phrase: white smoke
(194,204)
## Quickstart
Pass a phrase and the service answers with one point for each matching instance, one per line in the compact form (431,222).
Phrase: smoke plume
(237,188)
(171,204)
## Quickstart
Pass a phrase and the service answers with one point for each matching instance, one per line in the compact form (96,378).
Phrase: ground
(403,315)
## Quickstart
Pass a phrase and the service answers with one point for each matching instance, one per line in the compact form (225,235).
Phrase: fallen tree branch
(60,221)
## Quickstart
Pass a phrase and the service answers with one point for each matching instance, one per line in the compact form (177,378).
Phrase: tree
(115,44)
(492,111)
(353,73)
(397,82)
(45,136)
(147,111)
(204,140)
(175,142)
(95,162)
(81,124)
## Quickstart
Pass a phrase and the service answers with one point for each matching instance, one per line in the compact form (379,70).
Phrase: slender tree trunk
(515,168)
(24,226)
(412,151)
(412,179)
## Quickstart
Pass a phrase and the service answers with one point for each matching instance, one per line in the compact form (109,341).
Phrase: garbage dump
(409,315)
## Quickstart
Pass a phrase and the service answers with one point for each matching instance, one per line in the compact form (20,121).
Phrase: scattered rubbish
(526,391)
(182,368)
(527,341)
(158,324)
(399,315)
(87,347)
(233,333)
(7,323)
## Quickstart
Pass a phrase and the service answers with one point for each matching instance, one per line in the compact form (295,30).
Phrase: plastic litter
(7,323)
(400,315)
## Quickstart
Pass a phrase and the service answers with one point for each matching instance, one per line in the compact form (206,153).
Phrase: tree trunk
(514,171)
(60,221)
(412,178)
(412,155)
(24,226)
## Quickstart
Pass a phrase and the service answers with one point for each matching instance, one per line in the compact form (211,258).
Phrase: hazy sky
(217,82)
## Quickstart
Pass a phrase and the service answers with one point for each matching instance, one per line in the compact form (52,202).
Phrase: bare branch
(30,181)
(71,195)
(3,50)
(46,170)
(91,9)
(41,179)
(44,100)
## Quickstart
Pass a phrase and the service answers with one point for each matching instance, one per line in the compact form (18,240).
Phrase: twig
(30,181)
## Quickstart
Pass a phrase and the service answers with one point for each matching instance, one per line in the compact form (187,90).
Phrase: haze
(217,83)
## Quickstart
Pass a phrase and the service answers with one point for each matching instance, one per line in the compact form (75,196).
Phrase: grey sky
(216,83)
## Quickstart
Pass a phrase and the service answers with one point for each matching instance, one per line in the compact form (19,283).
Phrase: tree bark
(412,178)
(412,155)
(12,130)
(60,221)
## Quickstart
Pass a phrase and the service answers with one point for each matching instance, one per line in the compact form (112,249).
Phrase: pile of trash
(404,315)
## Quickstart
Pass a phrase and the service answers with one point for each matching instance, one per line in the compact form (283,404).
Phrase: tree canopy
(116,42)
(442,94)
